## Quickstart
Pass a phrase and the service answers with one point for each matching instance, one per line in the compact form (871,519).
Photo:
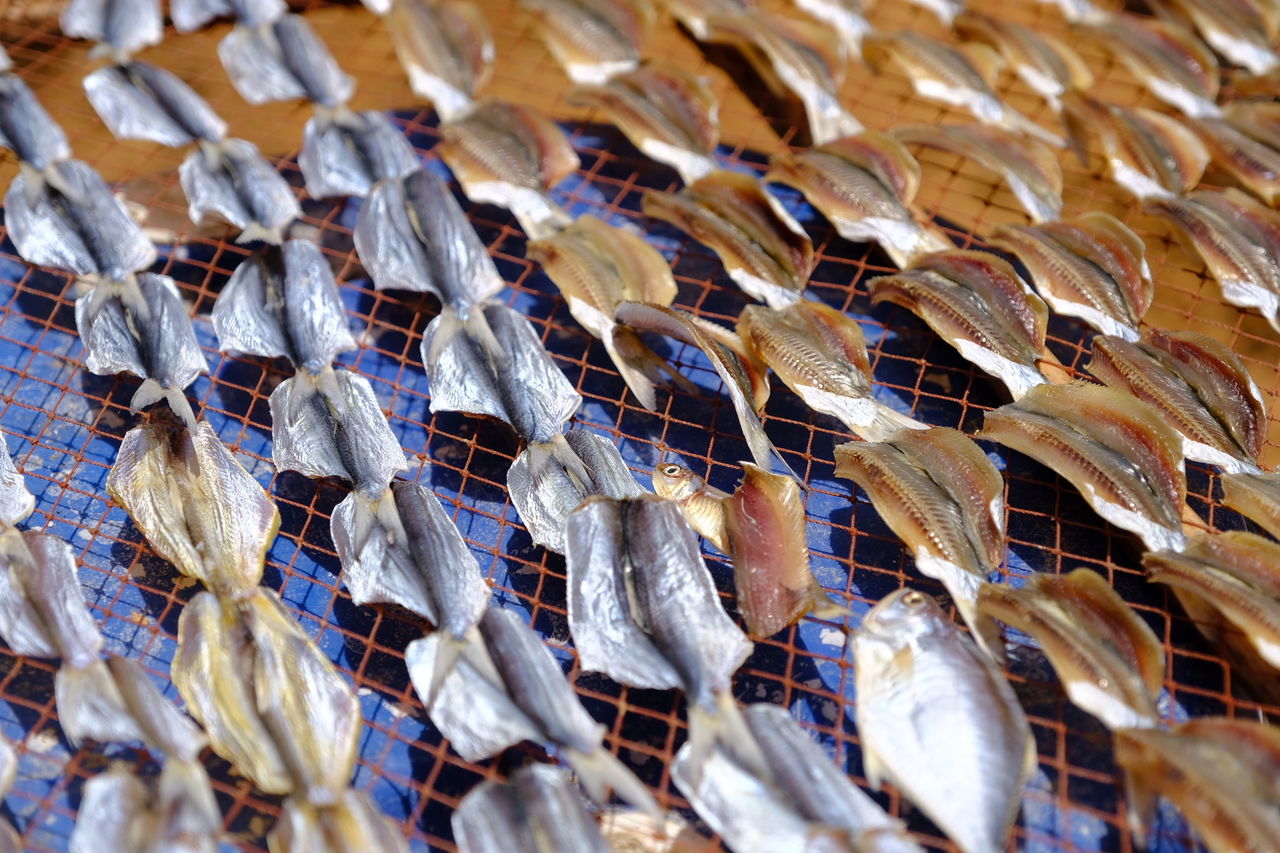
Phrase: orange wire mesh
(63,426)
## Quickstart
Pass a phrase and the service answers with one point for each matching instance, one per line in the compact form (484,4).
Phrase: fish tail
(641,368)
(151,391)
(90,705)
(449,650)
(885,422)
(443,330)
(477,327)
(186,794)
(600,771)
(723,725)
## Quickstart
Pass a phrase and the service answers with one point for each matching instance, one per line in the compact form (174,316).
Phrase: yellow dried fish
(961,78)
(598,267)
(1239,240)
(940,493)
(1171,62)
(1255,496)
(1241,31)
(1236,147)
(510,155)
(1220,772)
(820,354)
(1149,154)
(1047,65)
(1118,452)
(976,302)
(701,502)
(847,17)
(1110,661)
(666,112)
(763,249)
(446,50)
(594,39)
(863,184)
(1198,385)
(1090,266)
(1029,168)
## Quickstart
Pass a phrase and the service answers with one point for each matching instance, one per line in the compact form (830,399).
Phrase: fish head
(901,616)
(675,482)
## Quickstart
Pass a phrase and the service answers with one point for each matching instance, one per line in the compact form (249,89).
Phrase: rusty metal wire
(63,427)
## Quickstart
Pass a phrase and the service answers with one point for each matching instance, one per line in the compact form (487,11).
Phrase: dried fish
(1048,66)
(801,799)
(939,721)
(863,184)
(643,610)
(1237,29)
(195,504)
(524,388)
(1255,496)
(283,301)
(597,267)
(26,129)
(667,113)
(1119,453)
(695,15)
(765,528)
(10,842)
(800,57)
(1229,584)
(744,379)
(229,180)
(703,504)
(1220,772)
(944,10)
(140,101)
(1237,238)
(66,218)
(346,152)
(537,811)
(821,355)
(446,49)
(1150,154)
(847,17)
(1089,266)
(352,823)
(283,60)
(1236,144)
(545,490)
(1166,57)
(940,493)
(1198,385)
(512,156)
(1080,11)
(16,502)
(763,249)
(190,15)
(962,78)
(977,303)
(1029,168)
(121,27)
(508,689)
(412,235)
(1110,661)
(142,328)
(593,39)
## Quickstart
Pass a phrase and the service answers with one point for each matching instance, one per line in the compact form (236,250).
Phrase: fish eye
(913,599)
(671,470)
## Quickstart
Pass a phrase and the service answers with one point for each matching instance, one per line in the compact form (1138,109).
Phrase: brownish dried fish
(598,267)
(1029,168)
(961,78)
(744,379)
(594,39)
(1229,584)
(847,17)
(446,50)
(510,155)
(1090,266)
(1255,496)
(1241,31)
(701,502)
(863,184)
(800,57)
(1237,148)
(977,303)
(666,112)
(1110,661)
(940,493)
(762,247)
(1238,239)
(1220,772)
(765,527)
(1148,153)
(1048,66)
(1166,57)
(820,354)
(1198,385)
(695,15)
(1118,452)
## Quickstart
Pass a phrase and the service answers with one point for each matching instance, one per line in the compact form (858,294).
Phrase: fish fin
(600,772)
(90,705)
(873,767)
(186,797)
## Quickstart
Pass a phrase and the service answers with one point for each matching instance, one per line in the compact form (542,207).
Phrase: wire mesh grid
(64,426)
